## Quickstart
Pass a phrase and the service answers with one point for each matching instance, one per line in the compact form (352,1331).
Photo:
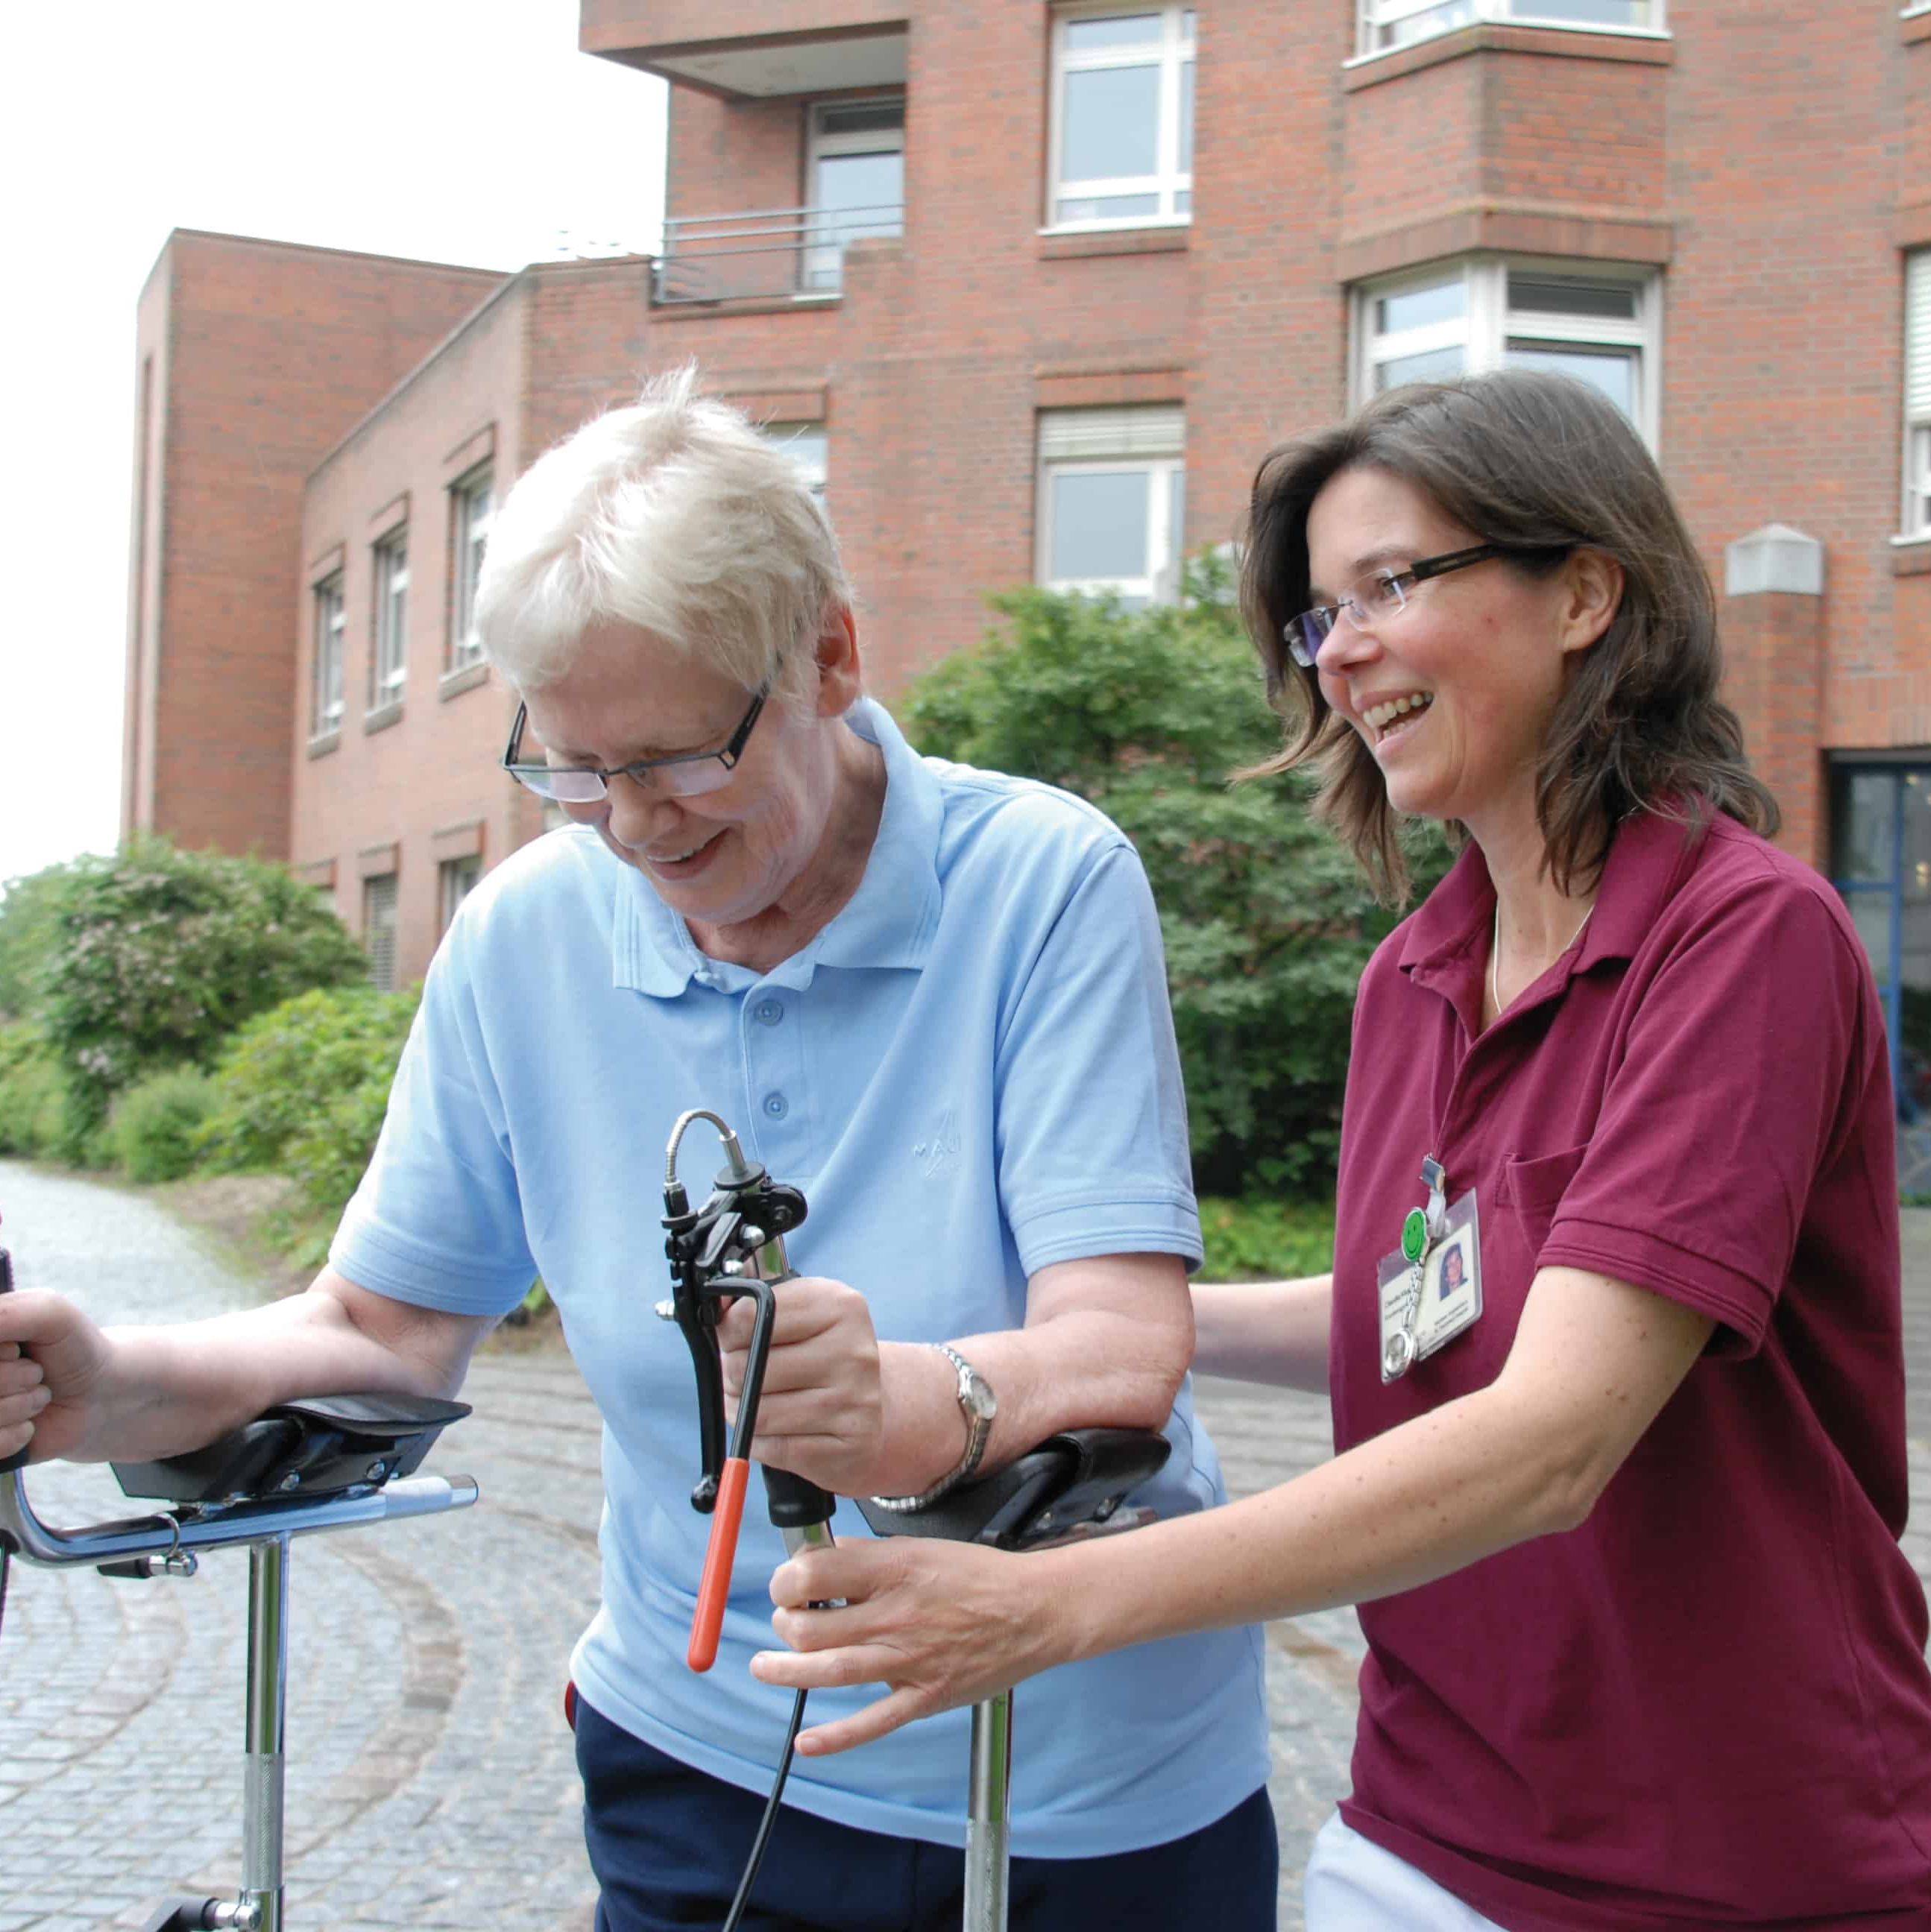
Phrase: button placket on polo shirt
(770,1031)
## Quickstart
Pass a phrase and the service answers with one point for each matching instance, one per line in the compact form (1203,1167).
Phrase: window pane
(1613,371)
(1585,12)
(876,183)
(1916,875)
(1417,308)
(1571,295)
(1127,30)
(1100,520)
(1419,26)
(805,445)
(1186,117)
(1112,124)
(1111,207)
(867,118)
(1870,913)
(1862,850)
(1434,365)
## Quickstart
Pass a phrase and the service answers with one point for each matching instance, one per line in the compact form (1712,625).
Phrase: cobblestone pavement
(430,1785)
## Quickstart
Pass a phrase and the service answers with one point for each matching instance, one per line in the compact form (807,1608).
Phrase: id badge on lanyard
(1431,1287)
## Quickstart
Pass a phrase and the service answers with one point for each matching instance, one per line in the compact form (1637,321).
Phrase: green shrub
(302,1089)
(29,927)
(159,954)
(1267,923)
(151,1129)
(1260,1238)
(33,1093)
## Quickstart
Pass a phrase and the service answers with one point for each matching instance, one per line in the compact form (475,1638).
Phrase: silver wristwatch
(978,1404)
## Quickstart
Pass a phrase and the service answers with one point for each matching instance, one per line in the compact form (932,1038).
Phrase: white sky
(459,130)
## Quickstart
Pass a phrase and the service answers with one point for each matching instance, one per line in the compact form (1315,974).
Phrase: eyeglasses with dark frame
(1383,594)
(683,774)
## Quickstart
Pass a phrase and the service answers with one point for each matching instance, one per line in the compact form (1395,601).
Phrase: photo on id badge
(1450,1280)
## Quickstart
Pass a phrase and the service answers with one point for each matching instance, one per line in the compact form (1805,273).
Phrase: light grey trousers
(1353,1885)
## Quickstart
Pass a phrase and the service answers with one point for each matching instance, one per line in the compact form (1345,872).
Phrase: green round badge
(1415,1234)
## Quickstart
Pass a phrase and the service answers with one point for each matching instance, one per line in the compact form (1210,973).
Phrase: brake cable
(717,1253)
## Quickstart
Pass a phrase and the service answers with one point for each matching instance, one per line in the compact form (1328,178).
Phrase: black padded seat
(317,1446)
(1076,1479)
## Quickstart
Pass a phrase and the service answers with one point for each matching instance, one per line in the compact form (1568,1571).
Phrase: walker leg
(267,1722)
(988,1850)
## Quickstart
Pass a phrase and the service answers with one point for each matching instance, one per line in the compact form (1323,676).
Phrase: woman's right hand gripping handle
(50,1354)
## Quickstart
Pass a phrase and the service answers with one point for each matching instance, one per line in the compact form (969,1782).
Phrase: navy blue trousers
(668,1844)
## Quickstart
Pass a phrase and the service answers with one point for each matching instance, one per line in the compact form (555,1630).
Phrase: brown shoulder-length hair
(1548,464)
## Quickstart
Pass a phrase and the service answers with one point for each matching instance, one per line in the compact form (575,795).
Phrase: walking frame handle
(717,1253)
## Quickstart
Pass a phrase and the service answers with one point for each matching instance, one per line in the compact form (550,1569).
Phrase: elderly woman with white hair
(933,998)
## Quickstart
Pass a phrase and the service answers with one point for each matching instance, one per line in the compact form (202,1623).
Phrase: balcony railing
(769,251)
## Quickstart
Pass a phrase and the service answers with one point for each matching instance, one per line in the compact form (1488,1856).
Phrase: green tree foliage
(302,1089)
(29,915)
(151,1132)
(33,1092)
(159,954)
(1267,924)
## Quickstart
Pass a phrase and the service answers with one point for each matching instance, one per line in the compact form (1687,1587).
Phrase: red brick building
(1035,285)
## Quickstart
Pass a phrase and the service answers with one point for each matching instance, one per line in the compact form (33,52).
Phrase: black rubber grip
(795,1503)
(18,1460)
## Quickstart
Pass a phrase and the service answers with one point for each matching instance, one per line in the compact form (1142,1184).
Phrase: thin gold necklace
(1495,954)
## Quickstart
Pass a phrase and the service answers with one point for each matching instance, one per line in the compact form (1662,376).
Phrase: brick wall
(1771,162)
(255,356)
(401,789)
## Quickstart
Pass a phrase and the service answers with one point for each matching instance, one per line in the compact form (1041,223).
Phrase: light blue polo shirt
(970,1073)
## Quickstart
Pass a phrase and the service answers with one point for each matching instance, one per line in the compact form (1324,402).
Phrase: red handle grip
(714,1586)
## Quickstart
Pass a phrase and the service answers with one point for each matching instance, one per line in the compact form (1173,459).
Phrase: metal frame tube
(34,1542)
(988,1821)
(267,1733)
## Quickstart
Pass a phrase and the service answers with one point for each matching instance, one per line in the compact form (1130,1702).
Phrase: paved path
(431,1788)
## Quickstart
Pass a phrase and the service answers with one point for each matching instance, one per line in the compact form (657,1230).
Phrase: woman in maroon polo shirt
(1620,1502)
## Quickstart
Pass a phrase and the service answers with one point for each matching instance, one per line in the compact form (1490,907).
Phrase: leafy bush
(151,1131)
(159,954)
(1266,1239)
(303,1088)
(1267,924)
(33,1093)
(29,913)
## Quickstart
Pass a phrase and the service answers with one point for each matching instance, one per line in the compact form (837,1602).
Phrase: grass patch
(1257,1238)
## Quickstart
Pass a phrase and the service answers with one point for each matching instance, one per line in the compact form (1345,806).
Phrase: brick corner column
(1774,648)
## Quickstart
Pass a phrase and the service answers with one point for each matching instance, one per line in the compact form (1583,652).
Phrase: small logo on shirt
(940,1151)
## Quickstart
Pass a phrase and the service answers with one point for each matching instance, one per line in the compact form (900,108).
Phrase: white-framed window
(331,624)
(455,880)
(1122,133)
(805,444)
(1597,323)
(1386,24)
(857,182)
(471,501)
(1917,394)
(388,661)
(1111,501)
(379,930)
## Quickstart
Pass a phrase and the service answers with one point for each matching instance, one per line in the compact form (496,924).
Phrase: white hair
(673,514)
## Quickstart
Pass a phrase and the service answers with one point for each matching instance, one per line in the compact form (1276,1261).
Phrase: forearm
(171,1389)
(1078,1362)
(1275,1332)
(1476,1477)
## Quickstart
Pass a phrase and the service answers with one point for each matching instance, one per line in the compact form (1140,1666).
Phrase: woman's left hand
(939,1624)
